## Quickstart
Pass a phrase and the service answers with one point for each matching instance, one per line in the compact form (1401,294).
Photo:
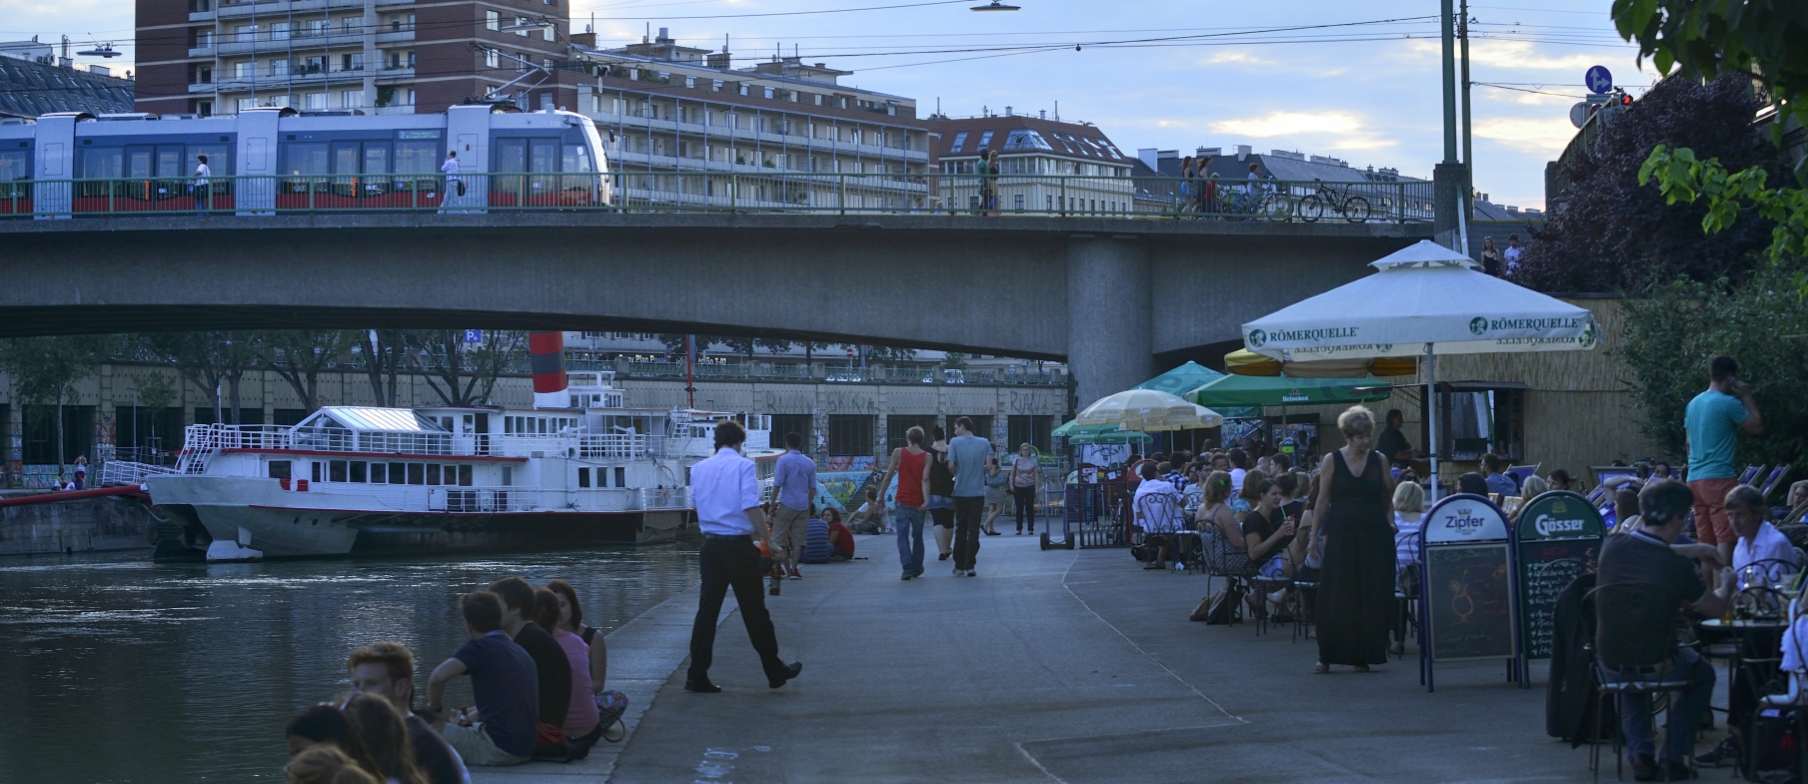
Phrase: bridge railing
(1002,195)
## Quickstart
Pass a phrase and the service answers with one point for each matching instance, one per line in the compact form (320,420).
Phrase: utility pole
(1467,206)
(1448,178)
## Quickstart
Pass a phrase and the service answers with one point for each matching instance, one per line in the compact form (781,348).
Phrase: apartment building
(1074,167)
(216,57)
(688,127)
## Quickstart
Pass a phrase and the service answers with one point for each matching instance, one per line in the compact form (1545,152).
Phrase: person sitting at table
(1409,514)
(1643,557)
(1497,481)
(1246,496)
(1758,540)
(1473,483)
(1155,516)
(1534,486)
(1226,547)
(1268,534)
(1559,479)
(1625,510)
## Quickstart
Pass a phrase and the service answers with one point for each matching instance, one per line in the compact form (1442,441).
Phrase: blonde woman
(1355,510)
(1534,486)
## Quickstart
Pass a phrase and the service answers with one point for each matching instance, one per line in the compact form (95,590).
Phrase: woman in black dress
(1356,585)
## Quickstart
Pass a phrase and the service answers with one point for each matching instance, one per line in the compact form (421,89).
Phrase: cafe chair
(1159,516)
(1751,473)
(1217,551)
(1795,694)
(1265,581)
(1776,478)
(1635,654)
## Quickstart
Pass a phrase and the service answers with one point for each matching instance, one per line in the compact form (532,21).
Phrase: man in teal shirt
(1714,419)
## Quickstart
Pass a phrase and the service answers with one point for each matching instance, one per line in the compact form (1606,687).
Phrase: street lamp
(134,391)
(525,24)
(103,50)
(997,5)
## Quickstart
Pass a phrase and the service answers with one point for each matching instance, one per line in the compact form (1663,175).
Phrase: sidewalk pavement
(1050,666)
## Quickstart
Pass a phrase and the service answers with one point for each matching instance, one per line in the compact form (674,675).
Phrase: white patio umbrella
(1147,410)
(1424,300)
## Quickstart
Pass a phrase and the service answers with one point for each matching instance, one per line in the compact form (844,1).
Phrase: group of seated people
(537,675)
(826,539)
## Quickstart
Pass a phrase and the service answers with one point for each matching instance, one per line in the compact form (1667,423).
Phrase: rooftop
(1020,134)
(30,89)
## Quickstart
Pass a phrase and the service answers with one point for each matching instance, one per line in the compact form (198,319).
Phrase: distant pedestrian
(995,495)
(908,464)
(1512,255)
(81,471)
(993,169)
(794,484)
(203,186)
(454,187)
(1490,257)
(939,481)
(982,168)
(725,490)
(1714,420)
(1208,196)
(1025,475)
(1356,583)
(1201,179)
(1187,174)
(967,456)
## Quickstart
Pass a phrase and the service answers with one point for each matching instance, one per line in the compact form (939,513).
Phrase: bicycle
(1354,209)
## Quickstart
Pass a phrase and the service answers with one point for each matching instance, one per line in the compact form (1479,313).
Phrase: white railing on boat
(203,441)
(125,472)
(665,498)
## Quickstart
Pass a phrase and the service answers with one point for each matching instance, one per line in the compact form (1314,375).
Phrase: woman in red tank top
(907,464)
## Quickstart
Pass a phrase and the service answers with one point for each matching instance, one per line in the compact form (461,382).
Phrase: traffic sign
(1598,79)
(1578,115)
(473,336)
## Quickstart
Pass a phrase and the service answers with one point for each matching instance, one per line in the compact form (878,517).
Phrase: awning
(1076,433)
(1235,390)
(1244,362)
(1193,375)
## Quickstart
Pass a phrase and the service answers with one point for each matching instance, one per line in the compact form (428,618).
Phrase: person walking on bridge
(907,464)
(725,489)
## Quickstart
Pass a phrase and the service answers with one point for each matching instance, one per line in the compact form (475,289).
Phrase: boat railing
(665,498)
(481,499)
(126,472)
(587,446)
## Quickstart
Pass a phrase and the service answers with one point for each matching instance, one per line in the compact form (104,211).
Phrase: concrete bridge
(1104,294)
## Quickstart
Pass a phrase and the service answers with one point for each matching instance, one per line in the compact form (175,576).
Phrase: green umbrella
(1237,390)
(1193,375)
(1076,433)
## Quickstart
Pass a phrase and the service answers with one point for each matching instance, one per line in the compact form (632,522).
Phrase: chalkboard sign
(1466,584)
(1557,537)
(1469,602)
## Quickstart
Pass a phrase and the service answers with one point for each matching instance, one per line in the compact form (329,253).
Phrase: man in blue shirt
(504,684)
(1714,420)
(967,456)
(794,481)
(1497,481)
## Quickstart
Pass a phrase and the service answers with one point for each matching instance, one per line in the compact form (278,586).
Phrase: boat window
(433,473)
(335,470)
(378,473)
(602,477)
(358,470)
(583,477)
(398,473)
(314,469)
(464,475)
(621,476)
(417,474)
(508,476)
(279,469)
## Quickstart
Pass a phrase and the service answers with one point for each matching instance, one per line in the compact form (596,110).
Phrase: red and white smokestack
(546,357)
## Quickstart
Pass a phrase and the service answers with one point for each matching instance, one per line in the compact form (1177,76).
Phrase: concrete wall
(73,526)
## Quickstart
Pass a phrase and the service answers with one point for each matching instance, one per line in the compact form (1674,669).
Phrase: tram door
(343,159)
(158,166)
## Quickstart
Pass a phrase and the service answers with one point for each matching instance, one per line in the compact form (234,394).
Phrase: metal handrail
(727,188)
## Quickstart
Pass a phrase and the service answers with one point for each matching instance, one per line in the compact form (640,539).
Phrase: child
(870,517)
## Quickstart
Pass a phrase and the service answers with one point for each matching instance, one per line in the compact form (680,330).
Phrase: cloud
(1285,123)
(1544,135)
(1236,57)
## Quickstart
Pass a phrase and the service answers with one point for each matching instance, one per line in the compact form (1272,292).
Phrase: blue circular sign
(1598,79)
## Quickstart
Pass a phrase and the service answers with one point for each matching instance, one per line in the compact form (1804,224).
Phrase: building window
(521,62)
(203,39)
(489,58)
(492,21)
(1019,202)
(204,108)
(351,99)
(549,33)
(521,20)
(850,434)
(247,70)
(279,67)
(315,101)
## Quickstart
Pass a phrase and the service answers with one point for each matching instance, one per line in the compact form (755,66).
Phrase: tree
(1765,40)
(1672,335)
(463,376)
(954,360)
(153,391)
(1609,234)
(890,354)
(45,370)
(1684,177)
(298,356)
(213,361)
(385,353)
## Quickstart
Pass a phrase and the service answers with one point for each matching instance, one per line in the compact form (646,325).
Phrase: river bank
(68,527)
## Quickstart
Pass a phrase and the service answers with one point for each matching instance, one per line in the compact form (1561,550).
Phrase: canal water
(114,669)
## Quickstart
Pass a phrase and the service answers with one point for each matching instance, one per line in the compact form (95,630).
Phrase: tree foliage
(1684,177)
(299,355)
(463,376)
(213,361)
(1672,335)
(1762,39)
(1610,234)
(45,370)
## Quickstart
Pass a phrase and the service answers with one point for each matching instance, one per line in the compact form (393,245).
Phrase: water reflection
(113,669)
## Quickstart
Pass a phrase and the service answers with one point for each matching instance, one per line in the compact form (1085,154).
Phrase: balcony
(201,16)
(203,88)
(201,51)
(391,74)
(393,36)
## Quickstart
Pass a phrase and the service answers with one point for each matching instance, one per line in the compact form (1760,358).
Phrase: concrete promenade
(1058,666)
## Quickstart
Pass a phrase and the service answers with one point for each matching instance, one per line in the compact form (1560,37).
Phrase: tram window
(576,159)
(16,165)
(398,473)
(138,161)
(511,156)
(376,157)
(345,158)
(417,474)
(621,476)
(417,157)
(219,159)
(464,475)
(335,470)
(379,473)
(279,469)
(583,477)
(169,161)
(543,155)
(304,158)
(358,470)
(433,473)
(102,164)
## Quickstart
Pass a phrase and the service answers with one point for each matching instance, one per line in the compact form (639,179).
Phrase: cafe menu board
(1557,537)
(1466,595)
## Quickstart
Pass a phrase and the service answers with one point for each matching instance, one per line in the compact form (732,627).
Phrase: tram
(269,160)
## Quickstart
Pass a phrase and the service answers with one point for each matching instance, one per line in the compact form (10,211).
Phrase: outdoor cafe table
(1750,634)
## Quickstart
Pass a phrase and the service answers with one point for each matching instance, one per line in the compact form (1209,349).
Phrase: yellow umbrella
(1244,362)
(1148,410)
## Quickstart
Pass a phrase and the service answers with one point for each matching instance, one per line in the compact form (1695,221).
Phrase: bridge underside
(1104,294)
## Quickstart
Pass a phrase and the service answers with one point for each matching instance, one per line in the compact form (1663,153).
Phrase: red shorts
(1711,525)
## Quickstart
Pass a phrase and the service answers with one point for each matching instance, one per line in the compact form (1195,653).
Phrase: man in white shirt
(203,185)
(1239,468)
(1758,540)
(450,169)
(1513,253)
(725,489)
(1157,509)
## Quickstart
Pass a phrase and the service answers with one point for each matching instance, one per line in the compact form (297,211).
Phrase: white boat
(360,479)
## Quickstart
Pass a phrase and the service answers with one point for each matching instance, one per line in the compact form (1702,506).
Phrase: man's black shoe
(1678,771)
(791,671)
(1644,769)
(701,687)
(1727,753)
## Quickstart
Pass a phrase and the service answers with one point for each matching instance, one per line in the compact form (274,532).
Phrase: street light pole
(134,390)
(1448,16)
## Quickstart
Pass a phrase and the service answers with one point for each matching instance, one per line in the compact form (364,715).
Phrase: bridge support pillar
(1110,331)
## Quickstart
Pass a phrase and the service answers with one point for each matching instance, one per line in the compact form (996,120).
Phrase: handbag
(1220,609)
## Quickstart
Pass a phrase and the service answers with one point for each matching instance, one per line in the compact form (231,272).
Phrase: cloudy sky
(1357,81)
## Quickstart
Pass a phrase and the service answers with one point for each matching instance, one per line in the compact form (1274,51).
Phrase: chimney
(1208,151)
(546,358)
(1242,152)
(1147,156)
(1008,112)
(1042,114)
(584,39)
(663,36)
